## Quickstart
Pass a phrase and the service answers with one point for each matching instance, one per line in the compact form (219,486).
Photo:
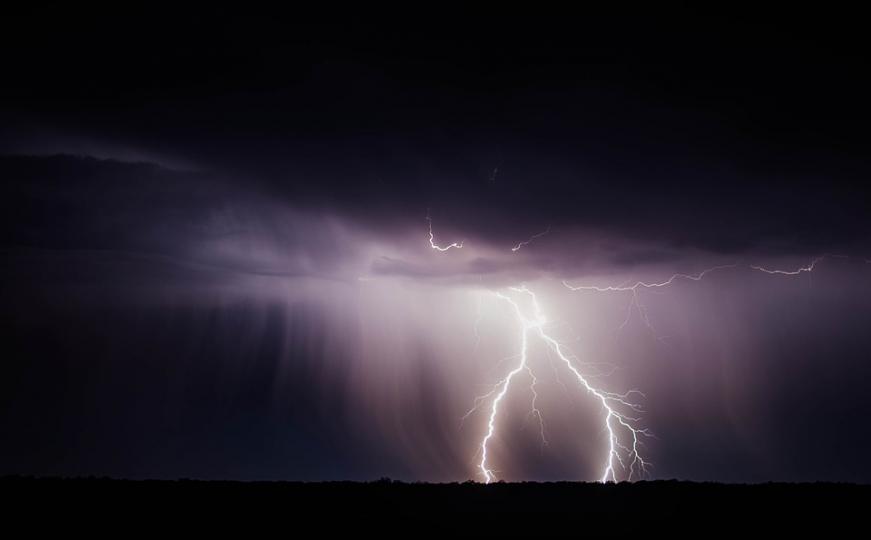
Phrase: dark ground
(291,508)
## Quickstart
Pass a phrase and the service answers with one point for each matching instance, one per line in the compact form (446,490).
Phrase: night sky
(216,259)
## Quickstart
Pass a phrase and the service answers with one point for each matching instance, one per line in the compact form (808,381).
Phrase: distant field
(286,508)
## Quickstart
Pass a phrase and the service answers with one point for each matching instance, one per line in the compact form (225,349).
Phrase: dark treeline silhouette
(123,506)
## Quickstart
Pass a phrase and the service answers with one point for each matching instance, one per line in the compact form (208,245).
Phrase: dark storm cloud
(191,201)
(696,136)
(105,208)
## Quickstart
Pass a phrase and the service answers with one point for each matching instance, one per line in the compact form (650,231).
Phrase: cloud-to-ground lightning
(437,247)
(621,415)
(624,443)
(528,241)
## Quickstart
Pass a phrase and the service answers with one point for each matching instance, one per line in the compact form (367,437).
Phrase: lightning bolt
(437,247)
(620,414)
(624,437)
(620,419)
(530,239)
(635,303)
(802,269)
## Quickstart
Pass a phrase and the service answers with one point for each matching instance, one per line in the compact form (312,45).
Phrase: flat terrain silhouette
(124,506)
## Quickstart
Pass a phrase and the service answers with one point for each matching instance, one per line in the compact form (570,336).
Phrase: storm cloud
(216,258)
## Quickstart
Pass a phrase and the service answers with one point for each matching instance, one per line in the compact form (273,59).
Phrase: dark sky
(194,203)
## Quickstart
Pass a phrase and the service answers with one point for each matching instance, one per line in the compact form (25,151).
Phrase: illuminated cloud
(261,247)
(394,340)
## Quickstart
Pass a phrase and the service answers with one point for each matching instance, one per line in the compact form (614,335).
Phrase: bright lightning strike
(437,247)
(623,434)
(620,415)
(530,239)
